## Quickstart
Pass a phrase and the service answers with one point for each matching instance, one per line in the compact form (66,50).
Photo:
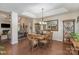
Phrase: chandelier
(42,18)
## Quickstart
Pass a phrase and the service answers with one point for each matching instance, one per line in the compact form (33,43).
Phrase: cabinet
(3,37)
(37,28)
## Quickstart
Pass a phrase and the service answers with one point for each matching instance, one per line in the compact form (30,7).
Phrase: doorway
(68,27)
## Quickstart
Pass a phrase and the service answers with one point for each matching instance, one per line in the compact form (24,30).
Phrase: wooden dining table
(37,36)
(40,38)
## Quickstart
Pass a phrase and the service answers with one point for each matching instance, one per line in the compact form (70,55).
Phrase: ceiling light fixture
(42,22)
(42,18)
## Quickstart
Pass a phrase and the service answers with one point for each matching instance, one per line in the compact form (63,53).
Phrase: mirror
(51,25)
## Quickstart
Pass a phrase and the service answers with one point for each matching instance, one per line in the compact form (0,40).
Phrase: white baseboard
(57,40)
(15,42)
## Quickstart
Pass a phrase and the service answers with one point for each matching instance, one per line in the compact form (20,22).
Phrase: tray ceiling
(34,9)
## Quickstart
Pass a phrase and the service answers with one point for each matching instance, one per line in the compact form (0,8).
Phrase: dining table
(38,38)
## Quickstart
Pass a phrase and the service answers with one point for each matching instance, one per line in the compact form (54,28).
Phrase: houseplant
(2,49)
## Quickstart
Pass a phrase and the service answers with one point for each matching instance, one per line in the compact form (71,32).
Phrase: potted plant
(2,50)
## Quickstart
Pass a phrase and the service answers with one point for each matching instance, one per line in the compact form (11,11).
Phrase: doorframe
(73,20)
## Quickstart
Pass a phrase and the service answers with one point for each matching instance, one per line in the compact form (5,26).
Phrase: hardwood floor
(22,48)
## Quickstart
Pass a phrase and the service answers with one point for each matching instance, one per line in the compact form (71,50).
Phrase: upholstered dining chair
(47,39)
(32,41)
(50,36)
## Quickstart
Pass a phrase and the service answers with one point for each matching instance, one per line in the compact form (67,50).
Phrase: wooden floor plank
(22,48)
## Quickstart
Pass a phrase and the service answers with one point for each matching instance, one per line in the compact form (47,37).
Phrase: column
(14,28)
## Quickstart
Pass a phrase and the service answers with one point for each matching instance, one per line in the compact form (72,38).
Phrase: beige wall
(2,20)
(65,16)
(24,21)
(58,35)
(27,22)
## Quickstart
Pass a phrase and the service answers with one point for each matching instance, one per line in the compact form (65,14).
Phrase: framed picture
(52,25)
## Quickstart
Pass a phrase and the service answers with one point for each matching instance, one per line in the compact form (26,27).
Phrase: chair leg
(33,48)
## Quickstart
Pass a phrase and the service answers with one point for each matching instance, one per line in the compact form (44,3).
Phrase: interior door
(68,27)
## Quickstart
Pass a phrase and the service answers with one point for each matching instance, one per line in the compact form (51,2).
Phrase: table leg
(0,39)
(78,52)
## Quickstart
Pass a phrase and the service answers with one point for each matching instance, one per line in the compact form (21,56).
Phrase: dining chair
(33,43)
(47,39)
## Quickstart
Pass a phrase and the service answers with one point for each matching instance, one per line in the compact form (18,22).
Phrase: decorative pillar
(14,28)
